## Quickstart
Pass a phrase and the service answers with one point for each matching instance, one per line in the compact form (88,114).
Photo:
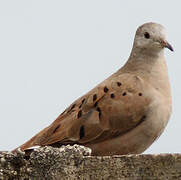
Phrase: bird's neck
(145,54)
(146,61)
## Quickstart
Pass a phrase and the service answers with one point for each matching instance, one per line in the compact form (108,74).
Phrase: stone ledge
(75,162)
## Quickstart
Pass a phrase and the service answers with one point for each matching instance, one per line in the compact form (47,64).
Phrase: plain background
(52,52)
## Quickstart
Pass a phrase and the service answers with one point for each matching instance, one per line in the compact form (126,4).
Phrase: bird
(126,112)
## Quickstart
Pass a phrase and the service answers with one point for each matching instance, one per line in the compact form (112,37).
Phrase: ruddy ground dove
(125,113)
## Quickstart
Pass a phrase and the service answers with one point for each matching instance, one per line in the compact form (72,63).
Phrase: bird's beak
(167,45)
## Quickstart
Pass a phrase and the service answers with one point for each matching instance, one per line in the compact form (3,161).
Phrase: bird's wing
(112,108)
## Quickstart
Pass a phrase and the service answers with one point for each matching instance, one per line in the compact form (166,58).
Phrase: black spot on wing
(106,89)
(94,97)
(55,130)
(119,84)
(112,95)
(79,114)
(99,110)
(124,94)
(82,132)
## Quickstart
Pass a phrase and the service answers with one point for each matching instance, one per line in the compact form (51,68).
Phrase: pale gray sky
(52,52)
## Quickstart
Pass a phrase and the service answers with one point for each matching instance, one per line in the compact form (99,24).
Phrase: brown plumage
(126,112)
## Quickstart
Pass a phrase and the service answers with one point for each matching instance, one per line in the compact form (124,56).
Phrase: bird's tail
(33,142)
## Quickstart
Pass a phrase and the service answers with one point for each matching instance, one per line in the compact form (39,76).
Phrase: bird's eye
(147,35)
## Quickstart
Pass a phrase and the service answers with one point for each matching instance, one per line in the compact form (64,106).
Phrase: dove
(126,112)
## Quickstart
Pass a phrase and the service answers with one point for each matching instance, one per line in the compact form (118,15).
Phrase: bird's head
(152,37)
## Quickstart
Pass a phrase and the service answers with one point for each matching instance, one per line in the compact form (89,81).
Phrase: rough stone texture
(75,162)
